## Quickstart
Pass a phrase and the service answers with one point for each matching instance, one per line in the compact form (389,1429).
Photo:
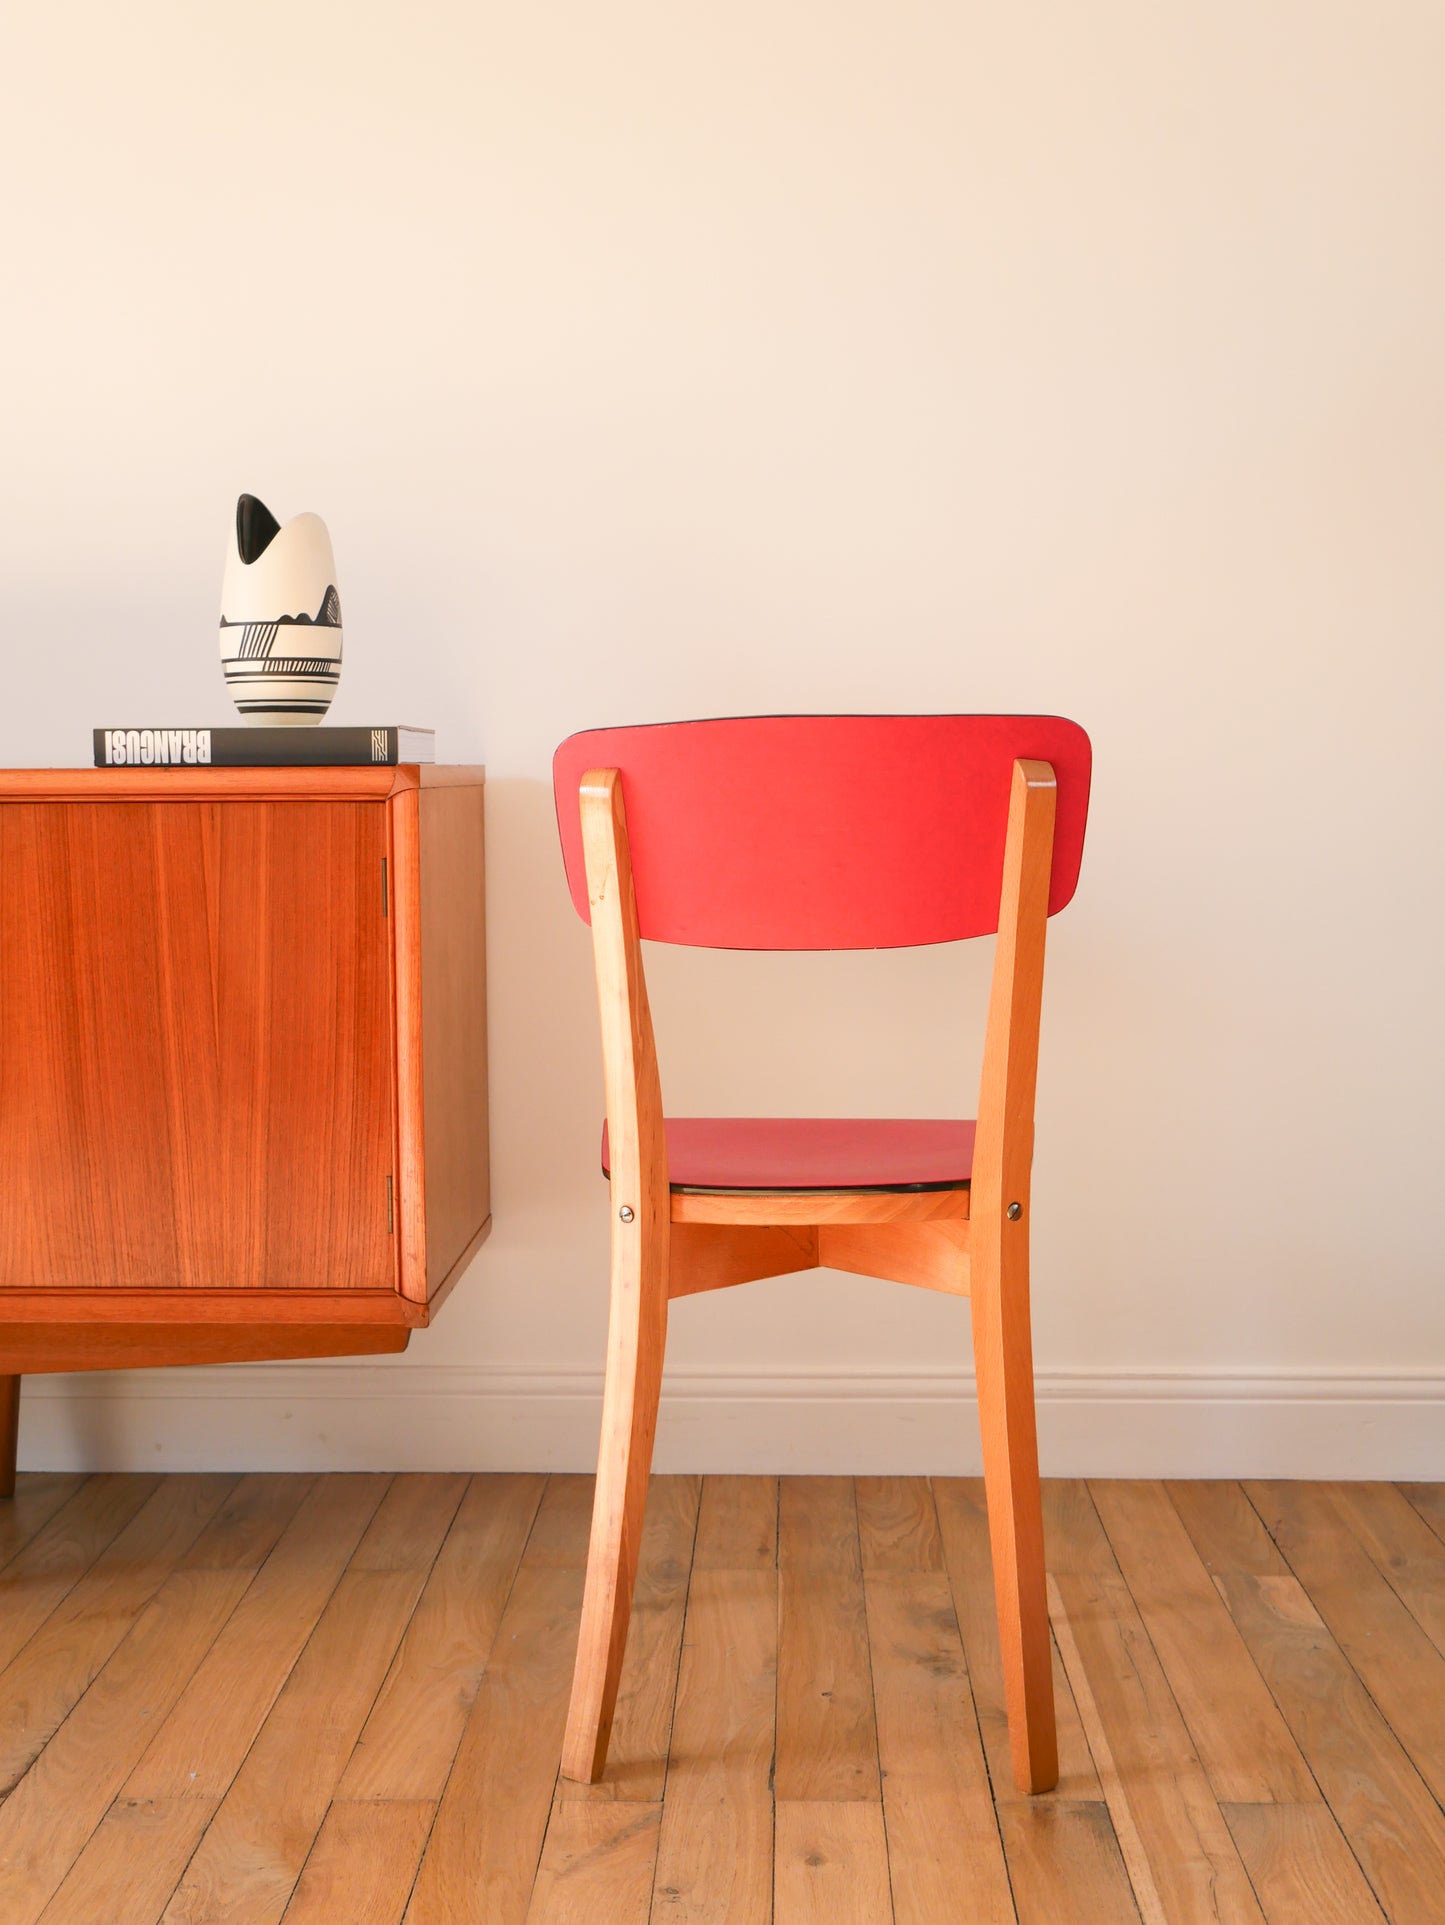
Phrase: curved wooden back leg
(1002,1339)
(641,1233)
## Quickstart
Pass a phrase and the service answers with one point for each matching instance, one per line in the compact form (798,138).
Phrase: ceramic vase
(280,617)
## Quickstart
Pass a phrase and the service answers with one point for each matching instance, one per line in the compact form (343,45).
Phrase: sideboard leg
(9,1432)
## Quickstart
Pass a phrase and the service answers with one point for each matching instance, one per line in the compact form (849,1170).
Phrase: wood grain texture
(933,1256)
(1429,1501)
(205,1307)
(131,1863)
(1300,1865)
(410,1739)
(647,1690)
(898,1526)
(40,1687)
(737,1525)
(1389,1652)
(832,1864)
(715,1851)
(37,1497)
(1064,1864)
(485,1845)
(453,946)
(963,1524)
(706,1256)
(1393,1825)
(253,1852)
(942,1831)
(185,1059)
(999,1279)
(197,1750)
(213,785)
(809,1208)
(1182,1862)
(1238,1733)
(362,1864)
(597,1864)
(641,1244)
(110,1345)
(235,1754)
(49,1815)
(1405,1550)
(403,829)
(827,1747)
(1226,1529)
(45,1570)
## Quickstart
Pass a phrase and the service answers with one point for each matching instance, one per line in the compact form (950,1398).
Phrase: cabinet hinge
(384,908)
(390,1227)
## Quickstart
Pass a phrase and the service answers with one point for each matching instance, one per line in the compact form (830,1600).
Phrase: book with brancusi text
(262,748)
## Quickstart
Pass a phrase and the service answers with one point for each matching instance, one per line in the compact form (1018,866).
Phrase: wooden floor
(341,1699)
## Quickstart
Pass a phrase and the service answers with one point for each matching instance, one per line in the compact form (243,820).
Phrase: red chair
(822,832)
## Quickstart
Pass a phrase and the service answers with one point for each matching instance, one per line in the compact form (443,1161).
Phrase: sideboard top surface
(216,785)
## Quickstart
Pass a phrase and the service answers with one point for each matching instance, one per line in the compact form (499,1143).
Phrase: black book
(262,748)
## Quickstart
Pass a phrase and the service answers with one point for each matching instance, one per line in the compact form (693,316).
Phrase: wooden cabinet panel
(195,1045)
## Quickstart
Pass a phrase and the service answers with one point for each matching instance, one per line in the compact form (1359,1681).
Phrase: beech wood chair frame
(970,1241)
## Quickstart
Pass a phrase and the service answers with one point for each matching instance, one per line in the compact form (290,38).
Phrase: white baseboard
(395,1415)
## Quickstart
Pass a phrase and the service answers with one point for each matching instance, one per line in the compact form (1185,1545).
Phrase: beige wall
(667,360)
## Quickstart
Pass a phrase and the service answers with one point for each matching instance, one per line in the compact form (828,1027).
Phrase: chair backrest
(823,831)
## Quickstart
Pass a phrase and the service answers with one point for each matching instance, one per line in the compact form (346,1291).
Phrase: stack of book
(262,748)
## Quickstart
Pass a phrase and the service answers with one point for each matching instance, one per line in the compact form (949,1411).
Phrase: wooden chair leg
(1004,1366)
(9,1432)
(637,1334)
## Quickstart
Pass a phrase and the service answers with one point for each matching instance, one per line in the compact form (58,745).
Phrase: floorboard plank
(1404,1549)
(47,1568)
(46,1820)
(1181,1860)
(39,1494)
(200,1747)
(1064,1863)
(898,1525)
(411,1737)
(1225,1528)
(1396,1662)
(485,1845)
(247,1865)
(243,1532)
(597,1864)
(943,1838)
(1429,1501)
(132,1862)
(482,1857)
(1242,1741)
(47,1678)
(362,1865)
(637,1754)
(963,1526)
(737,1526)
(342,1698)
(1394,1827)
(832,1864)
(715,1852)
(1300,1865)
(827,1741)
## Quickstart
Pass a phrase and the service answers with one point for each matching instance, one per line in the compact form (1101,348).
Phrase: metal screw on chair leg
(1015,1211)
(626,1213)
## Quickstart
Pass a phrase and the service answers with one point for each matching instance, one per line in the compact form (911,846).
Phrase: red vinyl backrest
(823,831)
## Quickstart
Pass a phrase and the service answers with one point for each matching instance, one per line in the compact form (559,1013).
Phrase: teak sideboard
(243,1063)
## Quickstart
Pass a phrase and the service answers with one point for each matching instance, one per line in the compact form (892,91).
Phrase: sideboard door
(195,1045)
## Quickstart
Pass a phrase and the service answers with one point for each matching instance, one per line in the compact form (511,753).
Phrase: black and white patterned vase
(280,617)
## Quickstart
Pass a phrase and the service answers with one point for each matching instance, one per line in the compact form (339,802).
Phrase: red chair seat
(814,1153)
